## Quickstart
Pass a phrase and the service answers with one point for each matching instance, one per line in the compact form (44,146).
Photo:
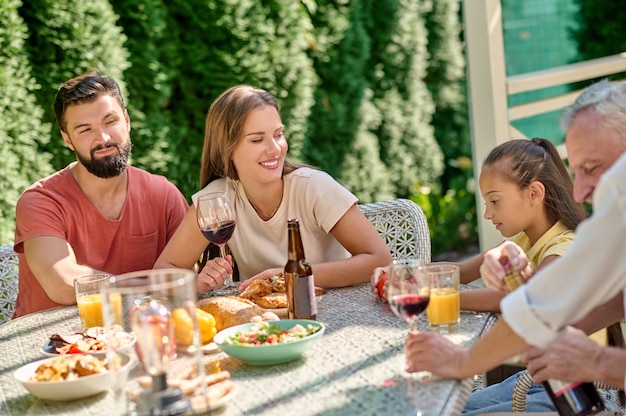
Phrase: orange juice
(444,306)
(90,309)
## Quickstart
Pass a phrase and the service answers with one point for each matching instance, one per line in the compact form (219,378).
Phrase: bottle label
(564,388)
(304,293)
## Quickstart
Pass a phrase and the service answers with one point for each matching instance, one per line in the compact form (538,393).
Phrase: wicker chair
(8,282)
(402,224)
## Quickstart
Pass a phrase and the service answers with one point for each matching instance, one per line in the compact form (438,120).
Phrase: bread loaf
(230,310)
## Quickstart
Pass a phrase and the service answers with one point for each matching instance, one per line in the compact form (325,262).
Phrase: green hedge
(370,91)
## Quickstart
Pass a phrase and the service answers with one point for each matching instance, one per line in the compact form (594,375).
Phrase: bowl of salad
(269,342)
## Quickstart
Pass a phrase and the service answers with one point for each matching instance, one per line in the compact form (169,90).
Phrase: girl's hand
(214,273)
(492,269)
(266,274)
(378,282)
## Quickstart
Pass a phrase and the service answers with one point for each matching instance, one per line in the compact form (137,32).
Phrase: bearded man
(98,214)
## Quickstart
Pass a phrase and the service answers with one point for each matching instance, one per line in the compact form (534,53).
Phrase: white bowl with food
(71,377)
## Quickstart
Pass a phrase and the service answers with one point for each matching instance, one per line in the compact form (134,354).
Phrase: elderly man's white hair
(605,98)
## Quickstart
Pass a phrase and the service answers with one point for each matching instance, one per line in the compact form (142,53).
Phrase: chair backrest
(403,226)
(8,282)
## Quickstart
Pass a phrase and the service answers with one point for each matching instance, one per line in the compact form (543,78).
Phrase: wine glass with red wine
(216,219)
(408,290)
(408,293)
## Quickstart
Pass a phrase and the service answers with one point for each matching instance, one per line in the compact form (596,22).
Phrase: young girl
(244,155)
(528,197)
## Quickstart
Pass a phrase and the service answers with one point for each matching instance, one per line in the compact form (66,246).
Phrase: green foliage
(66,39)
(367,89)
(147,80)
(451,202)
(598,33)
(370,125)
(446,82)
(339,60)
(363,171)
(340,139)
(21,126)
(217,44)
(398,67)
(451,213)
(272,54)
(600,29)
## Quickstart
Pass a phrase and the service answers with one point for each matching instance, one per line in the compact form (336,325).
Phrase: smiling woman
(245,155)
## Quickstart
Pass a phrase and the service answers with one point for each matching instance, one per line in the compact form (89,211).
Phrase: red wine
(222,234)
(409,305)
(574,399)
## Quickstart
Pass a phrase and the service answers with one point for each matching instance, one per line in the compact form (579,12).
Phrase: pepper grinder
(154,329)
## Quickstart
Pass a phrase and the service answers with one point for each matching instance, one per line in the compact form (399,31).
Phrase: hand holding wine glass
(408,293)
(216,219)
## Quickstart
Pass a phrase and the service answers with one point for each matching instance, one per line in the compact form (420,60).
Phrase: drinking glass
(408,293)
(444,308)
(408,290)
(216,219)
(89,300)
(150,299)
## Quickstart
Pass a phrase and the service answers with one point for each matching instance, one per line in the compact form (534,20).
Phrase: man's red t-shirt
(56,206)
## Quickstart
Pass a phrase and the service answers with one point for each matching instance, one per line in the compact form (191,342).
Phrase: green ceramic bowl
(269,353)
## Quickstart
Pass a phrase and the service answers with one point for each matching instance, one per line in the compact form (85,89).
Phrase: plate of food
(71,377)
(219,395)
(271,294)
(93,340)
(270,342)
(219,387)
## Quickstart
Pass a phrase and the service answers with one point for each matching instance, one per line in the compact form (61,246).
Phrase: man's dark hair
(84,88)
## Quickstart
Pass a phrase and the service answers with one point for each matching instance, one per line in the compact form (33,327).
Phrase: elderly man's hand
(570,358)
(429,351)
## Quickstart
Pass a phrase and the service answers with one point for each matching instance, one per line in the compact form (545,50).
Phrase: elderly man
(572,289)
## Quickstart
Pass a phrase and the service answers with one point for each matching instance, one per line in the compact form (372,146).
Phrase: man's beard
(110,166)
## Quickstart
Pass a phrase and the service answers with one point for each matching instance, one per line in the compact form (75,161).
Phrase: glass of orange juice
(444,308)
(89,300)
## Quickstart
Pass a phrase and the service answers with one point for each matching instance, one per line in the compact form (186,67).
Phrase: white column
(486,79)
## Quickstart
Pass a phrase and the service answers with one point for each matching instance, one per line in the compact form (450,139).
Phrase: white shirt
(590,273)
(310,195)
